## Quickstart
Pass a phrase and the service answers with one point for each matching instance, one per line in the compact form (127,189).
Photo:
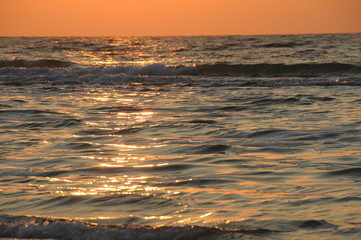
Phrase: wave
(42,63)
(43,228)
(257,70)
(281,45)
(31,227)
(279,70)
(325,74)
(51,228)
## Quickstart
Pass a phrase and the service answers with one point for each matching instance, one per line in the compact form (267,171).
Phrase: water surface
(237,136)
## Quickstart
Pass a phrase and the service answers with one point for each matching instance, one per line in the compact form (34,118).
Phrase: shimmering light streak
(111,165)
(206,215)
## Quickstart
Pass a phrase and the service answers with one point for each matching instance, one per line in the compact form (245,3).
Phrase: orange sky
(177,17)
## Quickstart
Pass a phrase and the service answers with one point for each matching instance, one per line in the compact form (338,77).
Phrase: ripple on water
(51,124)
(288,155)
(353,172)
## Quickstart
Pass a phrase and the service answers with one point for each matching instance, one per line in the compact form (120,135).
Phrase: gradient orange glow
(177,17)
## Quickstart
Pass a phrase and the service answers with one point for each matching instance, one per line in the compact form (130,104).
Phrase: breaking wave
(42,227)
(28,227)
(273,70)
(21,72)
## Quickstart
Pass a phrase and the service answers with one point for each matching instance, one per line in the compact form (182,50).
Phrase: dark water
(252,137)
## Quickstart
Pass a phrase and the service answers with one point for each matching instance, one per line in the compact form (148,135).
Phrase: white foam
(62,229)
(156,73)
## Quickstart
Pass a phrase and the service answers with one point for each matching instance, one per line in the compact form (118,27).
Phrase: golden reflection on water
(138,180)
(105,185)
(128,51)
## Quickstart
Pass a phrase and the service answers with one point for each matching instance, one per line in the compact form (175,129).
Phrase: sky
(177,17)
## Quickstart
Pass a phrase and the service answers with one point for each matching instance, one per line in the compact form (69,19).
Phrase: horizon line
(185,35)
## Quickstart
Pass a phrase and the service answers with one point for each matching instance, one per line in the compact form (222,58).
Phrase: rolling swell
(326,74)
(280,45)
(42,63)
(278,70)
(247,70)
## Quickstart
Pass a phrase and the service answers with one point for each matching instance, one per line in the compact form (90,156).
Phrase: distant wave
(249,70)
(281,45)
(278,70)
(59,72)
(42,63)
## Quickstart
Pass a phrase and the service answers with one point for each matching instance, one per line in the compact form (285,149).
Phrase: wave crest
(39,227)
(326,74)
(247,70)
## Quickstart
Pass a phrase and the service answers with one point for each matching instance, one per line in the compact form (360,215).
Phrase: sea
(191,137)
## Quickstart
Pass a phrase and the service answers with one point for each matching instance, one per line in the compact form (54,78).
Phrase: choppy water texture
(252,137)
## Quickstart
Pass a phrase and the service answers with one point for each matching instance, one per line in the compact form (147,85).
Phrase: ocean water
(212,137)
